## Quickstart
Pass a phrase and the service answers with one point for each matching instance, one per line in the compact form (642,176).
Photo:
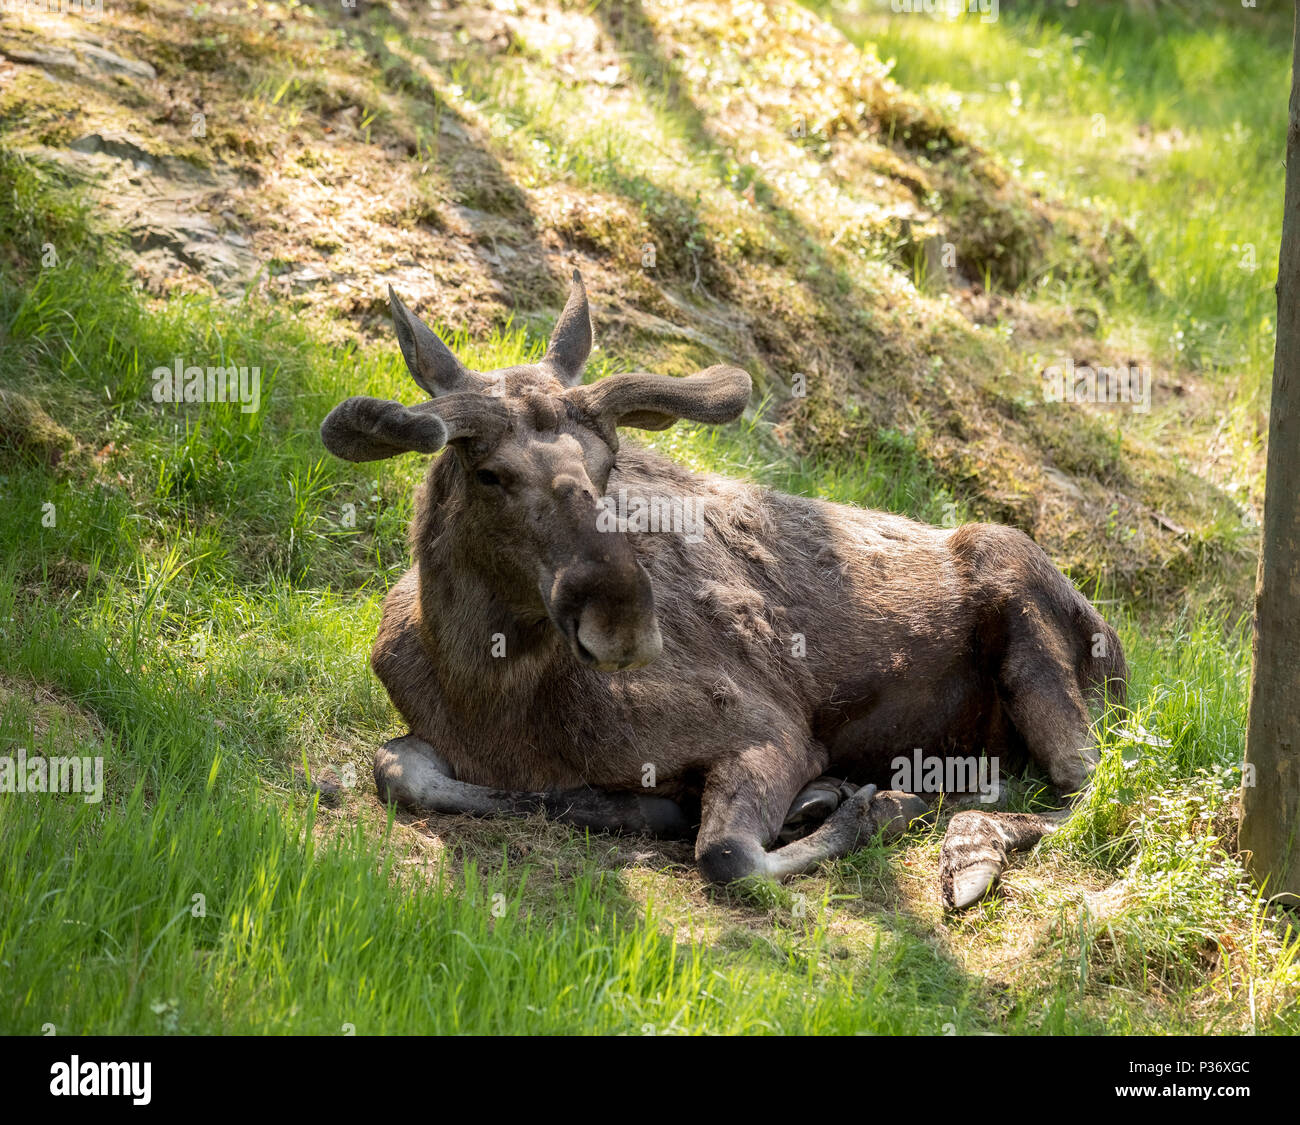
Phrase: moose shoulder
(591,630)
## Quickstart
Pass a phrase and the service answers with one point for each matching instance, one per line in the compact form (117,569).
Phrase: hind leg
(1039,686)
(976,847)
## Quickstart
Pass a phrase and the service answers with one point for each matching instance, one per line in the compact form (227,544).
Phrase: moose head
(534,450)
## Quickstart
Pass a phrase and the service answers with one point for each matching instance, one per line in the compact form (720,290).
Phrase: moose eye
(488,477)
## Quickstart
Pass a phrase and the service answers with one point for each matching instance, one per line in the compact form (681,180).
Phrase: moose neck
(493,652)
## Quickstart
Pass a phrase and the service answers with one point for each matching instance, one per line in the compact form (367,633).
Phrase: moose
(750,683)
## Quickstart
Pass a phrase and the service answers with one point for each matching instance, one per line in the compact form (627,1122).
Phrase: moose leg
(1040,689)
(975,849)
(745,800)
(1039,686)
(866,813)
(408,771)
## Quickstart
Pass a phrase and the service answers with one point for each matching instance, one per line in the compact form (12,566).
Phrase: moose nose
(615,647)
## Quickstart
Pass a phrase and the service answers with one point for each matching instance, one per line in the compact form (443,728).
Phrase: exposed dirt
(325,153)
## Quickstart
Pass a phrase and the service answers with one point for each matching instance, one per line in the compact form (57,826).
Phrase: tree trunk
(1270,795)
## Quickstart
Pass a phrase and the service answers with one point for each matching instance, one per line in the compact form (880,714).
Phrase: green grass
(1172,124)
(211,644)
(194,901)
(201,612)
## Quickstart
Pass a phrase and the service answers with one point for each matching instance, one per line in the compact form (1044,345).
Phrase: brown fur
(959,642)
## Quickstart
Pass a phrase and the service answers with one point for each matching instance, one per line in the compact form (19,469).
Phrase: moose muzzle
(604,608)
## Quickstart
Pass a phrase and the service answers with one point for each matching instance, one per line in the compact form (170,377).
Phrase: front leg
(408,771)
(746,797)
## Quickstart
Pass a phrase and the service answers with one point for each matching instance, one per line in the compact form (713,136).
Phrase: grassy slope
(200,612)
(1140,119)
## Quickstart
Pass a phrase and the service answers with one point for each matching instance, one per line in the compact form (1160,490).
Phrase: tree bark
(1270,795)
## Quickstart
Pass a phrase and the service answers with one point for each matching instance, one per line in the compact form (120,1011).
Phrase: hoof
(971,860)
(967,885)
(814,804)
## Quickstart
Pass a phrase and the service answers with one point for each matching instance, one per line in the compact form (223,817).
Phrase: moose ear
(570,345)
(430,361)
(370,429)
(655,402)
